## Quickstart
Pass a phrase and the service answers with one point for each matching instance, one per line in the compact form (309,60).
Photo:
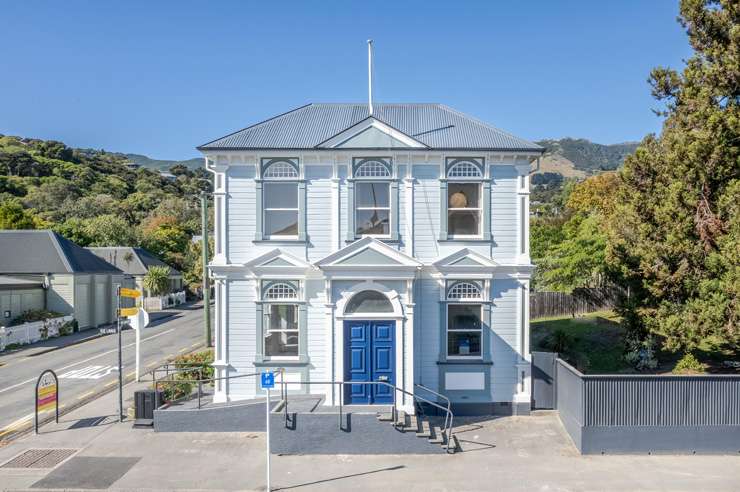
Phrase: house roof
(134,261)
(44,251)
(436,126)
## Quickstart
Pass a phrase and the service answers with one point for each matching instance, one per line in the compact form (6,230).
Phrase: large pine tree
(676,233)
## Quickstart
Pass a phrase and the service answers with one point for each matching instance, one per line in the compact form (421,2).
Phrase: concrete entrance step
(424,429)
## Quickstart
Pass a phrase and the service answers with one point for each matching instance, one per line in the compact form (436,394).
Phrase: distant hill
(579,157)
(162,165)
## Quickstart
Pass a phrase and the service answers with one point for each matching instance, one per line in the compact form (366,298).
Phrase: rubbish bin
(145,402)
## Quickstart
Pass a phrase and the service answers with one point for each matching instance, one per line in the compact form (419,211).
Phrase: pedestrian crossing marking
(89,372)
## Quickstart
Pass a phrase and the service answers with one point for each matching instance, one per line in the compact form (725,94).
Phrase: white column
(220,214)
(220,362)
(522,207)
(335,209)
(523,366)
(408,347)
(329,306)
(408,233)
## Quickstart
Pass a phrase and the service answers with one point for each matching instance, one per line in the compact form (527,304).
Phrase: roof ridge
(58,247)
(487,125)
(199,147)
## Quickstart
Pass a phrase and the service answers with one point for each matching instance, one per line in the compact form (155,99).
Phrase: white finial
(370,76)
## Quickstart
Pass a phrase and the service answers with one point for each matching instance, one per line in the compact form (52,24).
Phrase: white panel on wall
(465,381)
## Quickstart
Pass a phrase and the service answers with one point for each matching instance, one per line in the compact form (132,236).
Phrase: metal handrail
(440,395)
(394,410)
(199,382)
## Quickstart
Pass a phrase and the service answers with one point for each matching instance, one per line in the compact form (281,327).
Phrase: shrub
(68,328)
(641,354)
(559,341)
(34,315)
(689,364)
(195,366)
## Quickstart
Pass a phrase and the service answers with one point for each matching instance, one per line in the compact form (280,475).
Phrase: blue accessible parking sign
(268,380)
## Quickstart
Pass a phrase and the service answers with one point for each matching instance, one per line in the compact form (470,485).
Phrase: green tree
(14,216)
(675,235)
(110,230)
(157,280)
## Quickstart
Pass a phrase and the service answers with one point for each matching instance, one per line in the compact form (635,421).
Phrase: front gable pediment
(370,133)
(367,257)
(465,261)
(276,262)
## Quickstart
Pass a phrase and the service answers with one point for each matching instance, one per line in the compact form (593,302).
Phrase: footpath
(90,450)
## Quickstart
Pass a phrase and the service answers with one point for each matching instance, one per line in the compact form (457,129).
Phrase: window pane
(281,223)
(281,195)
(373,222)
(463,222)
(283,317)
(281,344)
(372,195)
(463,317)
(369,301)
(463,343)
(463,195)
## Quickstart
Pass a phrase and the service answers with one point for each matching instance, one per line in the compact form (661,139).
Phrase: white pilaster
(522,197)
(408,233)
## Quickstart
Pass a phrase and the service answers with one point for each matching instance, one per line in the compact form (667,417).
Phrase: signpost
(268,382)
(129,293)
(47,395)
(138,321)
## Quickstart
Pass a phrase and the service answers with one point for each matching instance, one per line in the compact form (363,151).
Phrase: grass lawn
(592,343)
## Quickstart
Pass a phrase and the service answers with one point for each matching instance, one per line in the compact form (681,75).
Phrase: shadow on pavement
(391,468)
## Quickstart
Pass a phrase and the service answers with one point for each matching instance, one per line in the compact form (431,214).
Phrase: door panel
(356,360)
(369,356)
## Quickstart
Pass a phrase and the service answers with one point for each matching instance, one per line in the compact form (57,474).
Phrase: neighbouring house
(386,244)
(75,281)
(136,263)
(18,295)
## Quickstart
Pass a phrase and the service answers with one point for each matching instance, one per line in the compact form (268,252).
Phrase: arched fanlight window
(281,290)
(280,170)
(369,301)
(461,291)
(372,169)
(464,169)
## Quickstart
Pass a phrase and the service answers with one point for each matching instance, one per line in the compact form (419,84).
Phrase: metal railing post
(200,387)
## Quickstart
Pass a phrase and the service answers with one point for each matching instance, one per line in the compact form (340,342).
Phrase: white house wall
(504,338)
(504,213)
(241,295)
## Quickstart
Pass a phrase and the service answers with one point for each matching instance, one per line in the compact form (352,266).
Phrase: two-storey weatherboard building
(386,246)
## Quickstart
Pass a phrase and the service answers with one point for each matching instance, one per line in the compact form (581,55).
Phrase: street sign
(129,293)
(268,380)
(133,311)
(47,395)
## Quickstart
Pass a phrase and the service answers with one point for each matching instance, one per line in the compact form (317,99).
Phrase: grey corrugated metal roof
(43,251)
(435,125)
(137,263)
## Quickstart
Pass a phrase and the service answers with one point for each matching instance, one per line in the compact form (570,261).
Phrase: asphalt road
(86,368)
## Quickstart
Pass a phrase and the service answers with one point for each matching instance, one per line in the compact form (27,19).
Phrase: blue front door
(370,355)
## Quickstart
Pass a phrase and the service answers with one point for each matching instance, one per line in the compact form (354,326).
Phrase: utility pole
(206,286)
(120,353)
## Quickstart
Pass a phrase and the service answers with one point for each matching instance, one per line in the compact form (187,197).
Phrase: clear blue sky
(159,78)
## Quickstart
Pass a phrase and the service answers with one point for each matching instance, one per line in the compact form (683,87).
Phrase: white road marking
(89,372)
(86,360)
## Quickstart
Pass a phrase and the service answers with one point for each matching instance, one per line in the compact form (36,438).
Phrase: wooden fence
(581,301)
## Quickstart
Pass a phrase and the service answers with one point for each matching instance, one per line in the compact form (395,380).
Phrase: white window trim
(374,180)
(478,209)
(266,209)
(267,330)
(447,331)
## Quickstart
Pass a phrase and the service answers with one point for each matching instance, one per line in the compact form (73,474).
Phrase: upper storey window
(281,211)
(373,198)
(465,213)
